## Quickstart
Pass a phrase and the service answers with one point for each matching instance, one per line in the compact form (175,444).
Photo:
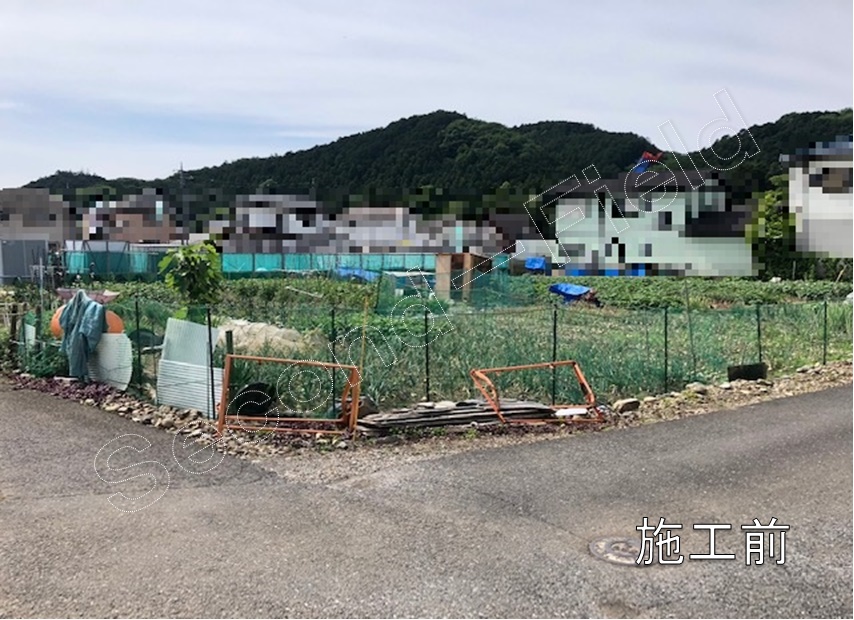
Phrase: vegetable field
(646,339)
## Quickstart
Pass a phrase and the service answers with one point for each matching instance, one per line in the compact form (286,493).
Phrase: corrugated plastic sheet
(187,342)
(187,386)
(112,362)
(183,376)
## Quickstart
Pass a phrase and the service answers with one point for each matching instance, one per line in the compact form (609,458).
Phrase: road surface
(501,532)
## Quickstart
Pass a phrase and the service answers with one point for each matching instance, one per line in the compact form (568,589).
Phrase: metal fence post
(554,353)
(426,354)
(690,333)
(138,348)
(13,333)
(38,343)
(332,339)
(759,331)
(666,361)
(824,329)
(211,412)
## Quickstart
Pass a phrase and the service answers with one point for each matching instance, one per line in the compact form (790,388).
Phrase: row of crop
(662,292)
(253,296)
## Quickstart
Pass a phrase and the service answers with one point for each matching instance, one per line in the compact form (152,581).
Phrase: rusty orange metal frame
(349,403)
(486,387)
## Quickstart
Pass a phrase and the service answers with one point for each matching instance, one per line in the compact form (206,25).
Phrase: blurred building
(820,197)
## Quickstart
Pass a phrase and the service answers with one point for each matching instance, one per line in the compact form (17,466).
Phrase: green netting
(269,262)
(240,263)
(139,262)
(618,351)
(621,352)
(77,262)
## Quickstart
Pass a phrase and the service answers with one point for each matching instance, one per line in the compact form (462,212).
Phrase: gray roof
(634,183)
(841,148)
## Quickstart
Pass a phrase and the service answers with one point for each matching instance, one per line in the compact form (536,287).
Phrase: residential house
(820,179)
(652,223)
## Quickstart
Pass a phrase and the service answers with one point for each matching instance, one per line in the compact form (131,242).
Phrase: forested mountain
(442,149)
(449,150)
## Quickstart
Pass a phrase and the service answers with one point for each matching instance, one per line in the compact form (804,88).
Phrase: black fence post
(39,336)
(824,329)
(332,338)
(690,333)
(138,347)
(759,331)
(554,353)
(666,361)
(426,354)
(13,333)
(211,413)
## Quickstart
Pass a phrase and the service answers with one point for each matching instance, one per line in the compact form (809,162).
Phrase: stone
(697,388)
(342,445)
(675,394)
(112,407)
(426,405)
(726,385)
(388,440)
(446,404)
(649,399)
(803,369)
(626,404)
(90,402)
(167,422)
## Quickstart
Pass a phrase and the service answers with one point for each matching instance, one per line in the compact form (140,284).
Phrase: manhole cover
(617,550)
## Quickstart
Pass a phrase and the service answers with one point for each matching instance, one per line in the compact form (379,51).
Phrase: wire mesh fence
(418,351)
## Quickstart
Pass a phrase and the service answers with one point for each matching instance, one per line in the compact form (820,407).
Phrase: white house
(820,197)
(653,223)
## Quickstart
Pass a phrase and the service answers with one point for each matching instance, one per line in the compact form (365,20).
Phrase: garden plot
(251,338)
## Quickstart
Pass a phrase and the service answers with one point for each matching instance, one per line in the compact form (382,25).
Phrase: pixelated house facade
(35,215)
(142,218)
(291,224)
(820,197)
(653,223)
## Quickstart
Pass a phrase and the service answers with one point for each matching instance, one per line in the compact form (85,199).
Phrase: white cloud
(324,65)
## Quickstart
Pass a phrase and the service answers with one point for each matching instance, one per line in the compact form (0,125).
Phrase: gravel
(326,459)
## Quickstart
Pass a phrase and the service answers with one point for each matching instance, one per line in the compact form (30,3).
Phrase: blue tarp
(355,272)
(569,292)
(641,166)
(535,263)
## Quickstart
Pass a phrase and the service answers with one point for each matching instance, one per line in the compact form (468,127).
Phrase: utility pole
(183,205)
(182,209)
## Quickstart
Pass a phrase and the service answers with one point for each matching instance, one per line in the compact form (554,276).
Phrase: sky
(140,88)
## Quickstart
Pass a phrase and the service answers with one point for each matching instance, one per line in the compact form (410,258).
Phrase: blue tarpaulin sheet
(569,292)
(354,272)
(535,263)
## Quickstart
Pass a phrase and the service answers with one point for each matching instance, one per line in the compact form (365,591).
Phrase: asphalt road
(502,532)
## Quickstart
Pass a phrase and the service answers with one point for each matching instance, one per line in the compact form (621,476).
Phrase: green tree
(772,230)
(195,273)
